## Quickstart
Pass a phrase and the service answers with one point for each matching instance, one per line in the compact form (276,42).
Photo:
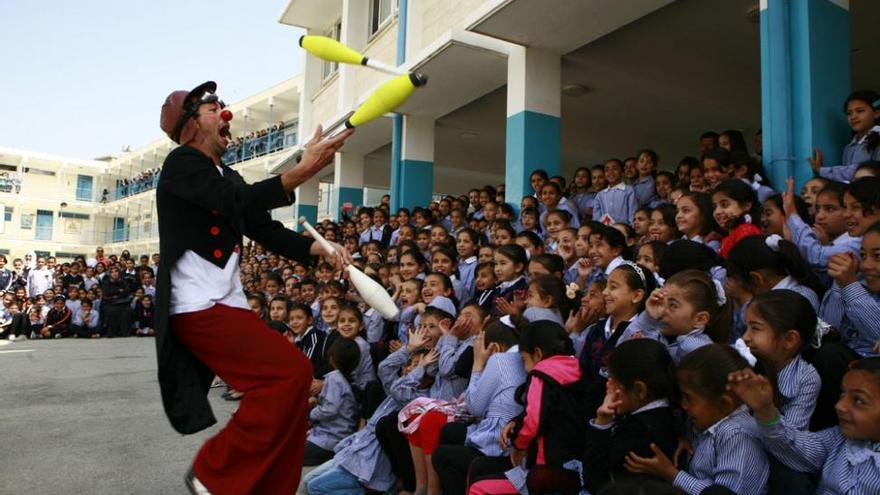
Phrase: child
(304,335)
(773,214)
(334,413)
(625,294)
(636,414)
(86,322)
(645,191)
(697,182)
(863,113)
(761,264)
(58,320)
(716,167)
(143,318)
(551,198)
(329,315)
(444,260)
(650,254)
(663,225)
(641,222)
(546,264)
(735,207)
(693,312)
(591,310)
(547,439)
(727,445)
(466,244)
(862,201)
(852,306)
(486,253)
(694,218)
(582,195)
(810,189)
(828,236)
(278,309)
(607,249)
(531,242)
(510,264)
(555,221)
(664,182)
(780,326)
(845,456)
(496,373)
(412,265)
(616,203)
(546,296)
(529,221)
(349,326)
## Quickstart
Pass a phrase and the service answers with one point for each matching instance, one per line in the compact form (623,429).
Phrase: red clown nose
(226,115)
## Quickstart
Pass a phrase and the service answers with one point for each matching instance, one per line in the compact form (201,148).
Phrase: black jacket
(206,212)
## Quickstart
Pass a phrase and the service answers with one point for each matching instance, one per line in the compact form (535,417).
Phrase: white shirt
(198,284)
(40,280)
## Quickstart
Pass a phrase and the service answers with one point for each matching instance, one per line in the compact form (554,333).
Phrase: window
(381,12)
(39,171)
(7,214)
(68,214)
(120,230)
(44,225)
(84,188)
(330,68)
(61,254)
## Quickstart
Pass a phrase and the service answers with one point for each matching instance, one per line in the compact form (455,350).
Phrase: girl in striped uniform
(848,455)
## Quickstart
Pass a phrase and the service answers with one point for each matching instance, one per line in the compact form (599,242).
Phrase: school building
(514,85)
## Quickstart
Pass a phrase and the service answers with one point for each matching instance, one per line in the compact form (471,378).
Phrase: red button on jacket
(218,254)
(215,230)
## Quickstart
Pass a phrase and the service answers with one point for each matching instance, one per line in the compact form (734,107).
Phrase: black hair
(709,134)
(613,237)
(552,262)
(787,310)
(499,333)
(703,202)
(514,253)
(737,141)
(563,214)
(445,250)
(872,140)
(533,238)
(345,356)
(647,361)
(869,365)
(705,370)
(658,250)
(866,191)
(447,285)
(553,287)
(305,308)
(644,281)
(417,255)
(803,210)
(752,254)
(274,277)
(720,155)
(629,232)
(872,166)
(505,226)
(652,155)
(667,212)
(699,289)
(434,312)
(475,237)
(308,281)
(548,336)
(540,173)
(743,194)
(485,265)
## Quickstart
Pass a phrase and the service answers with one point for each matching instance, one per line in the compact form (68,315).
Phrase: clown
(203,323)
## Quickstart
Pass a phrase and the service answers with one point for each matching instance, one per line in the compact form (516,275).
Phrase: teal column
(306,203)
(348,184)
(417,161)
(533,126)
(805,78)
(397,119)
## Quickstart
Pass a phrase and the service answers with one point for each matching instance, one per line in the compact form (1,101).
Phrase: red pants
(427,436)
(261,448)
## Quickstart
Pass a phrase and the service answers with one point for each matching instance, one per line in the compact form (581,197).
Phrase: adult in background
(116,304)
(204,325)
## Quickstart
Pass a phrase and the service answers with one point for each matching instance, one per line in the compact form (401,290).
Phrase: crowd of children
(635,331)
(86,298)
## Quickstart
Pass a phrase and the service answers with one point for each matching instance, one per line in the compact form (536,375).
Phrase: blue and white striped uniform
(490,397)
(728,453)
(618,202)
(817,254)
(854,153)
(789,283)
(854,311)
(646,192)
(364,373)
(799,384)
(466,273)
(847,466)
(336,415)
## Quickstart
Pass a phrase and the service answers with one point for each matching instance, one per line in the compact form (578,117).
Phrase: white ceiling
(657,82)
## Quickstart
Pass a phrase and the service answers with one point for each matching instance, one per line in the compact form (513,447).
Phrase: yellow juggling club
(333,51)
(386,98)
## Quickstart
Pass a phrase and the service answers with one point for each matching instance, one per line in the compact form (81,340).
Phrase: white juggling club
(372,292)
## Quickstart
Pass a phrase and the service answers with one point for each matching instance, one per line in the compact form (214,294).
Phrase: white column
(348,183)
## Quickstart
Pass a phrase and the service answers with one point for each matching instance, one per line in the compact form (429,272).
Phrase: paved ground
(84,417)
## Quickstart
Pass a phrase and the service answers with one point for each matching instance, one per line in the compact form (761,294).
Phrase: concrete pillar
(348,183)
(306,204)
(310,85)
(533,126)
(416,185)
(805,78)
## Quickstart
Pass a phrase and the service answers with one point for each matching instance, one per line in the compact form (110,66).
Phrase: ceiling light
(575,90)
